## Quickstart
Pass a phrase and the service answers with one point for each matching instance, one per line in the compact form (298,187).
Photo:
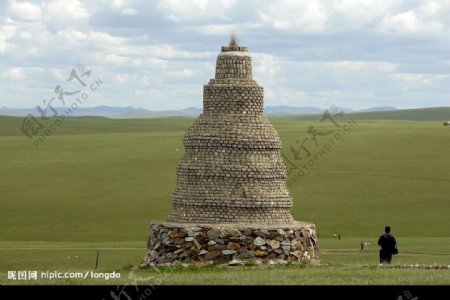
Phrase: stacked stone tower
(231,182)
(232,171)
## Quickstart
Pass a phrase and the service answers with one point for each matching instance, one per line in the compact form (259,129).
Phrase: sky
(158,54)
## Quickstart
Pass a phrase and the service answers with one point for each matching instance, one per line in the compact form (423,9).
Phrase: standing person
(362,245)
(388,246)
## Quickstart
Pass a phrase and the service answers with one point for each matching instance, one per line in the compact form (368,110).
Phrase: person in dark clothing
(388,246)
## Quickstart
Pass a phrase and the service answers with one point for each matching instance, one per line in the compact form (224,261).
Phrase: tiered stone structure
(232,170)
(231,180)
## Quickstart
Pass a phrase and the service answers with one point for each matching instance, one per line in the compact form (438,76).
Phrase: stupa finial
(233,41)
(233,45)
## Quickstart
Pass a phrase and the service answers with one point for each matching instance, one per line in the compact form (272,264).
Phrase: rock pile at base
(172,242)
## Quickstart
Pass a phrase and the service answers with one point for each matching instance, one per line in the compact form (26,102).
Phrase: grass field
(97,183)
(342,263)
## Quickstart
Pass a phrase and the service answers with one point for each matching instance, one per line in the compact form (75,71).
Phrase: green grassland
(97,183)
(342,263)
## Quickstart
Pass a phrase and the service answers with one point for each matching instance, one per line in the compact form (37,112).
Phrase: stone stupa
(231,200)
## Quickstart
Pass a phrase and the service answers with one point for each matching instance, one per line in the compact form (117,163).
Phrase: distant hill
(133,113)
(281,109)
(377,108)
(384,112)
(143,113)
(97,111)
(420,114)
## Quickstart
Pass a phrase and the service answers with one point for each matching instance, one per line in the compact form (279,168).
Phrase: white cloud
(25,34)
(156,62)
(408,22)
(215,29)
(122,78)
(129,12)
(434,8)
(70,38)
(184,10)
(305,16)
(19,73)
(58,74)
(347,15)
(7,32)
(25,11)
(414,79)
(16,73)
(185,73)
(225,29)
(64,12)
(2,43)
(274,95)
(361,65)
(118,4)
(266,68)
(116,59)
(105,39)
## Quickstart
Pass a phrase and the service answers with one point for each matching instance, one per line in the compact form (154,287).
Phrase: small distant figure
(362,245)
(339,236)
(388,246)
(368,245)
(334,235)
(447,123)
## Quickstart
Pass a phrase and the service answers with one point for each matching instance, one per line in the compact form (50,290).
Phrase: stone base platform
(180,243)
